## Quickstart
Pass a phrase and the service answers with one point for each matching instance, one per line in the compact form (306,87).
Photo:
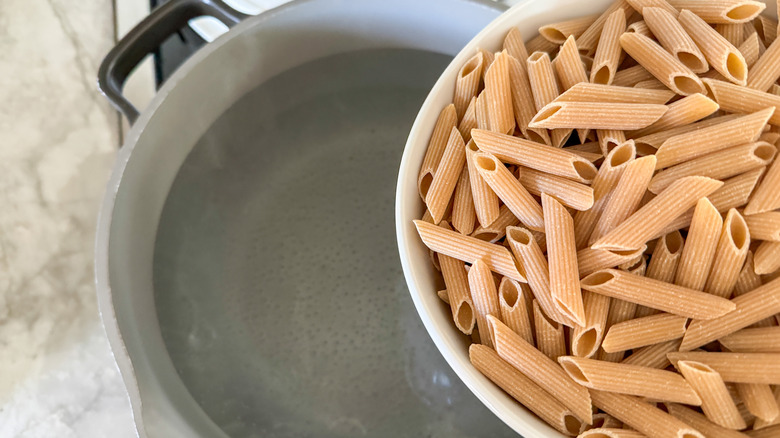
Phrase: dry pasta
(759,400)
(589,39)
(641,28)
(514,312)
(514,45)
(701,423)
(666,256)
(458,295)
(585,340)
(484,296)
(644,331)
(557,33)
(485,199)
(463,213)
(545,90)
(661,64)
(631,76)
(730,254)
(550,339)
(469,120)
(642,416)
(655,140)
(562,255)
(607,58)
(733,98)
(736,367)
(722,11)
(734,33)
(587,92)
(673,38)
(570,193)
(523,103)
(766,197)
(653,356)
(609,139)
(568,65)
(446,176)
(592,115)
(765,71)
(436,145)
(590,260)
(607,432)
(716,402)
(766,259)
(497,229)
(753,340)
(700,245)
(499,96)
(619,311)
(750,51)
(467,83)
(682,112)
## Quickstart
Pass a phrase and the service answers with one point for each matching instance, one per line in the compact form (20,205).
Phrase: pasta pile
(603,204)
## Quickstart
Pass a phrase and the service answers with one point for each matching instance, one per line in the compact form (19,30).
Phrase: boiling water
(277,281)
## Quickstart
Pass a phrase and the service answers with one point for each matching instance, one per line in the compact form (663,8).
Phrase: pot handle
(147,36)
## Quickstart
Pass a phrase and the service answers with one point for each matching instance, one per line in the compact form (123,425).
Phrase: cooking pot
(246,269)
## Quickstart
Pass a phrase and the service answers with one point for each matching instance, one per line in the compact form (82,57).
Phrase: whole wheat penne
(770,137)
(619,311)
(718,165)
(550,339)
(666,256)
(537,156)
(514,45)
(701,423)
(655,140)
(734,33)
(766,196)
(541,369)
(591,260)
(469,120)
(526,249)
(766,28)
(730,255)
(722,11)
(664,25)
(766,260)
(558,32)
(641,28)
(653,356)
(469,249)
(656,294)
(715,399)
(592,115)
(610,139)
(523,103)
(699,251)
(733,98)
(650,219)
(629,379)
(545,90)
(651,84)
(463,214)
(765,71)
(444,295)
(484,296)
(569,193)
(509,190)
(607,58)
(736,367)
(741,130)
(767,432)
(562,257)
(682,112)
(750,51)
(482,111)
(626,196)
(602,420)
(661,64)
(497,87)
(446,176)
(523,389)
(759,400)
(467,83)
(590,147)
(751,307)
(585,340)
(747,279)
(588,41)
(485,199)
(497,229)
(568,65)
(641,332)
(630,76)
(753,340)
(590,156)
(436,145)
(642,416)
(514,313)
(606,432)
(587,92)
(458,293)
(540,44)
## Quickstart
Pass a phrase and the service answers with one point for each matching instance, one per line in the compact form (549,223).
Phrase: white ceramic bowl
(527,16)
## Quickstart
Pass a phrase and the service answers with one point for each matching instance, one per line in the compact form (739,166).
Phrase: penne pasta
(568,65)
(588,41)
(730,255)
(436,145)
(753,340)
(661,64)
(514,45)
(550,339)
(469,120)
(587,92)
(557,33)
(631,76)
(592,115)
(463,213)
(562,256)
(701,423)
(721,11)
(653,356)
(619,311)
(609,139)
(602,420)
(482,111)
(700,246)
(545,90)
(651,84)
(766,28)
(540,44)
(715,399)
(484,296)
(523,389)
(759,401)
(768,432)
(766,259)
(640,5)
(674,38)
(736,367)
(717,165)
(666,256)
(766,196)
(591,260)
(736,99)
(750,51)
(656,139)
(607,58)
(514,312)
(656,294)
(523,103)
(499,96)
(485,199)
(458,295)
(641,28)
(682,112)
(765,71)
(734,33)
(446,176)
(585,340)
(467,83)
(629,379)
(606,432)
(469,249)
(642,416)
(644,331)
(747,279)
(497,229)
(445,296)
(570,193)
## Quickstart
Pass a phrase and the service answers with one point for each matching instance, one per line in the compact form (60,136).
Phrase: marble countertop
(58,138)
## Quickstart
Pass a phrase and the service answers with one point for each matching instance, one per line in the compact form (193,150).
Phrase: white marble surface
(57,143)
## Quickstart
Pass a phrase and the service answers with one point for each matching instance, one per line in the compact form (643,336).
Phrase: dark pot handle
(147,36)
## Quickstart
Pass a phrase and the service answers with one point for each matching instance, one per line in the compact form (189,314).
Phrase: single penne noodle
(701,423)
(750,51)
(588,41)
(640,5)
(656,294)
(766,260)
(722,11)
(590,260)
(463,213)
(545,89)
(485,199)
(509,190)
(651,84)
(747,279)
(484,296)
(666,256)
(766,28)
(586,340)
(630,379)
(436,145)
(656,139)
(642,416)
(458,295)
(732,32)
(648,222)
(568,65)
(717,404)
(557,33)
(661,64)
(765,71)
(753,340)
(444,296)
(760,424)
(592,115)
(653,356)
(540,44)
(605,432)
(610,139)
(527,251)
(562,258)
(537,156)
(570,193)
(766,197)
(469,249)
(523,102)
(488,58)
(631,76)
(641,28)
(607,58)
(759,400)
(550,339)
(700,246)
(497,229)
(590,147)
(482,111)
(590,156)
(751,307)
(730,255)
(514,45)
(514,312)
(469,120)
(664,25)
(626,196)
(446,176)
(523,389)
(467,83)
(497,88)
(770,137)
(682,112)
(541,369)
(636,267)
(587,92)
(736,99)
(602,420)
(741,130)
(619,311)
(641,332)
(717,165)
